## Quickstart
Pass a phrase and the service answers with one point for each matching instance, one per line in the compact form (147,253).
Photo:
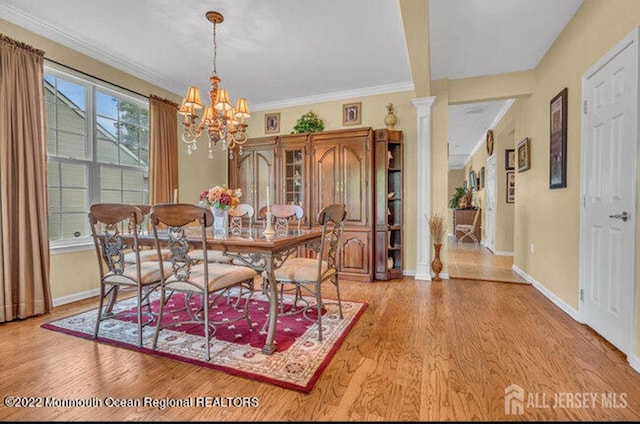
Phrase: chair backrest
(107,221)
(475,218)
(282,214)
(177,216)
(332,219)
(144,224)
(236,215)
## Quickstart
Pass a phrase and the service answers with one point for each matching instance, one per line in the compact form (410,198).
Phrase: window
(98,151)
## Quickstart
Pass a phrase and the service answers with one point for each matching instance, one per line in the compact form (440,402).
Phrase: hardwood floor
(470,262)
(422,351)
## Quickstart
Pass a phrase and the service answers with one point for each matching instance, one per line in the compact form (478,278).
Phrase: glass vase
(220,219)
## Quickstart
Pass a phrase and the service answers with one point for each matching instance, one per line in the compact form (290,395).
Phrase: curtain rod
(94,77)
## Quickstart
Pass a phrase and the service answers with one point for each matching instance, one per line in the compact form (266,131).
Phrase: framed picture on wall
(511,186)
(510,159)
(558,141)
(272,123)
(481,178)
(472,180)
(351,114)
(524,157)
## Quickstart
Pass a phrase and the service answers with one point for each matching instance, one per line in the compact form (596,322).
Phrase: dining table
(252,248)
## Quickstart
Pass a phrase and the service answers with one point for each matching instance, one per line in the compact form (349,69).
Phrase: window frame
(93,166)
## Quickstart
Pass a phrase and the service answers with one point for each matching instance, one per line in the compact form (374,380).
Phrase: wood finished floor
(470,262)
(422,351)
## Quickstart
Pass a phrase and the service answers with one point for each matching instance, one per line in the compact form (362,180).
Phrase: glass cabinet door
(294,177)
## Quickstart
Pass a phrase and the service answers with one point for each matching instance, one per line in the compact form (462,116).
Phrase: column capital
(423,103)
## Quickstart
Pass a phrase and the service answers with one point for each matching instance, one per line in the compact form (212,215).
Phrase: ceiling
(285,52)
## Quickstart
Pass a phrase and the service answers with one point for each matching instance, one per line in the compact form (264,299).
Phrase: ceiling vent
(473,110)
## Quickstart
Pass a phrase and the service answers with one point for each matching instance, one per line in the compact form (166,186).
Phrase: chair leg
(139,301)
(160,312)
(319,304)
(337,284)
(100,305)
(205,302)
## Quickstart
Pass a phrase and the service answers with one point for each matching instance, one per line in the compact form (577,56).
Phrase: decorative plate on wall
(489,142)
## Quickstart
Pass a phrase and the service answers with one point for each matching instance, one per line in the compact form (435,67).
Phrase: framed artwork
(472,180)
(351,113)
(511,186)
(524,156)
(510,159)
(558,141)
(481,178)
(271,123)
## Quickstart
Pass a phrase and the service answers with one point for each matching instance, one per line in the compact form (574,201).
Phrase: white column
(423,184)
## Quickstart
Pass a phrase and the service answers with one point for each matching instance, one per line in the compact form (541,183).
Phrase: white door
(490,204)
(608,188)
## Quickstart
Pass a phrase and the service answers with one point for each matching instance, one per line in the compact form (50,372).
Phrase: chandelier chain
(215,50)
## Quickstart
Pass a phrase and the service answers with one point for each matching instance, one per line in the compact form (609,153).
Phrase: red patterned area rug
(235,348)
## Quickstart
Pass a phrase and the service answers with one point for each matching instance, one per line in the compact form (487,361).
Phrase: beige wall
(504,133)
(550,218)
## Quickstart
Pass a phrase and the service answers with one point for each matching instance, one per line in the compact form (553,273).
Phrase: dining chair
(243,211)
(468,230)
(308,274)
(282,216)
(191,277)
(106,221)
(145,255)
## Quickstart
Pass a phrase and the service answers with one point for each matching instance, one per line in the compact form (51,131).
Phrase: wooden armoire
(314,170)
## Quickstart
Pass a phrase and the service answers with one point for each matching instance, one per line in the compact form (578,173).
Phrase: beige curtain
(163,140)
(24,240)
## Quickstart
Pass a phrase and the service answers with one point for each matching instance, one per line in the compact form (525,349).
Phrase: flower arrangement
(220,197)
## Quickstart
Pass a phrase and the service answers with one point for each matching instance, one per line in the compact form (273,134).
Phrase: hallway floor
(470,262)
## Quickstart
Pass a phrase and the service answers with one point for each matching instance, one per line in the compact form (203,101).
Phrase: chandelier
(222,122)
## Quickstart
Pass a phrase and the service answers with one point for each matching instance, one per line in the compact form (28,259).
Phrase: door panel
(264,176)
(608,175)
(244,178)
(354,255)
(326,177)
(354,183)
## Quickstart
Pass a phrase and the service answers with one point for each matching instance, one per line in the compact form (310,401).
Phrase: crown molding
(338,95)
(71,41)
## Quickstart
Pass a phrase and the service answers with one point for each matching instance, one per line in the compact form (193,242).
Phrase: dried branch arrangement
(436,227)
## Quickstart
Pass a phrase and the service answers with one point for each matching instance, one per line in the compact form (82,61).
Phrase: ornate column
(423,182)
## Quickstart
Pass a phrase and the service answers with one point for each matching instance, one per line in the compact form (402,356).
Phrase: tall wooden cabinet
(313,171)
(342,173)
(389,258)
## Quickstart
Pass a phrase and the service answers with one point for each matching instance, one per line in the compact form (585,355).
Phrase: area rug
(235,348)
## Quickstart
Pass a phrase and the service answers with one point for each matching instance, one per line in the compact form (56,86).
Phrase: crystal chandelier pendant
(220,119)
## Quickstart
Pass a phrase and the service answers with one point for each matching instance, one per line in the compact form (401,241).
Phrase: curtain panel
(24,240)
(163,150)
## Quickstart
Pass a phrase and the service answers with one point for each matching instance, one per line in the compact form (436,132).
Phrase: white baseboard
(502,253)
(412,273)
(569,310)
(634,361)
(75,297)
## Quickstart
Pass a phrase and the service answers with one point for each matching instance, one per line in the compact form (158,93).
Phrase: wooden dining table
(253,249)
